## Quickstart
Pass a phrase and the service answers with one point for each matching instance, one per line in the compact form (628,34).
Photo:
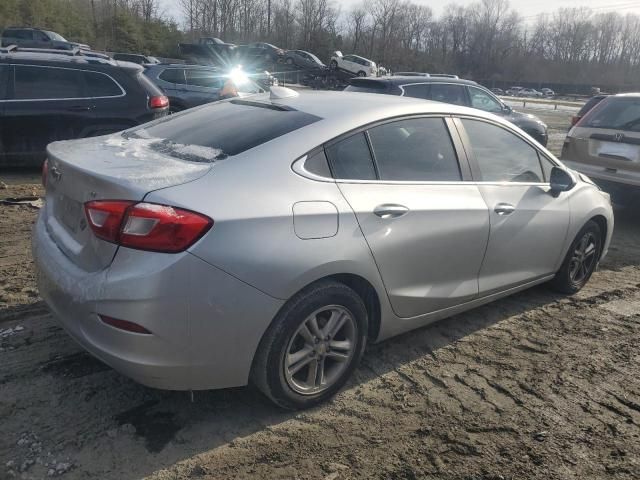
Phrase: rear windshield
(618,113)
(592,102)
(223,128)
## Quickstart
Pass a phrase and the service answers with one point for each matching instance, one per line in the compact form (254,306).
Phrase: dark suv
(37,38)
(451,89)
(49,95)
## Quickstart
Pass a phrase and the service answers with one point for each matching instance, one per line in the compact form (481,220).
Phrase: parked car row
(528,92)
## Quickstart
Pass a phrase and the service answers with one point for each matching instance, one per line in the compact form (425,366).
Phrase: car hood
(524,119)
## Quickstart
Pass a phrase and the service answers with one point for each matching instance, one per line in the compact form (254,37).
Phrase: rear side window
(100,85)
(415,150)
(502,156)
(173,75)
(228,127)
(19,34)
(418,90)
(618,113)
(351,159)
(47,83)
(447,93)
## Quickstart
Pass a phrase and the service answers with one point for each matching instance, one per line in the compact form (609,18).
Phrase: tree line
(487,40)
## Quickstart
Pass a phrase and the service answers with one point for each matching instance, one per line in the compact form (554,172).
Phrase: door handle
(504,209)
(79,108)
(389,210)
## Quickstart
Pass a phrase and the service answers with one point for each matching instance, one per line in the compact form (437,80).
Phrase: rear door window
(483,101)
(448,93)
(229,128)
(32,83)
(173,75)
(351,159)
(203,78)
(417,149)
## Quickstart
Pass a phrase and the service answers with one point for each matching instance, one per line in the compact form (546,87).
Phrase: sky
(527,8)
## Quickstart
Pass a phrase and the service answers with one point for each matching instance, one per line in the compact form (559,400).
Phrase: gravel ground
(535,386)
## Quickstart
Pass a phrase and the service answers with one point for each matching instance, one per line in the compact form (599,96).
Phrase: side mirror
(561,181)
(507,109)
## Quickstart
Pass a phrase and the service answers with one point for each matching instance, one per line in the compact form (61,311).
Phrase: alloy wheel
(320,350)
(584,258)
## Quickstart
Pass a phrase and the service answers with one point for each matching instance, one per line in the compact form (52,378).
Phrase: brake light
(146,226)
(159,101)
(45,172)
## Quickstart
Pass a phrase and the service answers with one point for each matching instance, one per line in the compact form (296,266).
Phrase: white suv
(354,64)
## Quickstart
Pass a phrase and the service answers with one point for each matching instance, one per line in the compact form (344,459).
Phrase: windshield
(616,113)
(55,36)
(220,130)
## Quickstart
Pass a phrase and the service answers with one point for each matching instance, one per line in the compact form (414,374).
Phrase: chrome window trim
(124,93)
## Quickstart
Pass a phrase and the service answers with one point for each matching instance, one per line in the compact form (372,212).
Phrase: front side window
(502,156)
(48,83)
(417,149)
(418,90)
(351,159)
(483,101)
(448,93)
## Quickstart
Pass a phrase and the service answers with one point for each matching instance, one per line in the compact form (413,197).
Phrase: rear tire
(581,260)
(362,74)
(312,347)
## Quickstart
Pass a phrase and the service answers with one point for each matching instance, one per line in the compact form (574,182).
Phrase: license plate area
(69,212)
(619,151)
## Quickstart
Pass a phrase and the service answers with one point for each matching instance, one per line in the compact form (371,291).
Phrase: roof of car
(628,94)
(63,57)
(407,79)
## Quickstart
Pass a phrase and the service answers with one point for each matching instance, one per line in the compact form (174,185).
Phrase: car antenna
(277,92)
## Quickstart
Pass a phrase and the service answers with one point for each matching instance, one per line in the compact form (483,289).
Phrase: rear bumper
(205,324)
(621,177)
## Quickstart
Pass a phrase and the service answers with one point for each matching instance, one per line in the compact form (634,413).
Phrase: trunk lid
(112,167)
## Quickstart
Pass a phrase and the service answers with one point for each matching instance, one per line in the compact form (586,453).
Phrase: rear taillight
(45,173)
(159,101)
(146,226)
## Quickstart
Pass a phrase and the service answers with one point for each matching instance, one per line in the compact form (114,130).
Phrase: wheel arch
(602,223)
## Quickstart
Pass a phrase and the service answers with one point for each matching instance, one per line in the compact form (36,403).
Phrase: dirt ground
(536,386)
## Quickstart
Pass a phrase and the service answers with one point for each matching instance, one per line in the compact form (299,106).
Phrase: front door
(528,224)
(427,229)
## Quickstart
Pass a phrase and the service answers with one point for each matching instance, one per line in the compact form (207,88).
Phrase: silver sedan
(267,240)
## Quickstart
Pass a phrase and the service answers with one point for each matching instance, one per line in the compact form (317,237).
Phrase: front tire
(581,260)
(312,347)
(362,74)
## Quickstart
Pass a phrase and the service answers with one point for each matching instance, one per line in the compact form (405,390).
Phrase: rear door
(47,104)
(528,224)
(174,84)
(427,228)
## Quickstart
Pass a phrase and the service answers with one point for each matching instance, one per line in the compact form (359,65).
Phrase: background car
(586,108)
(355,64)
(180,281)
(529,92)
(450,89)
(258,54)
(303,59)
(210,51)
(411,74)
(547,92)
(605,145)
(497,91)
(188,86)
(37,38)
(135,58)
(513,91)
(52,95)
